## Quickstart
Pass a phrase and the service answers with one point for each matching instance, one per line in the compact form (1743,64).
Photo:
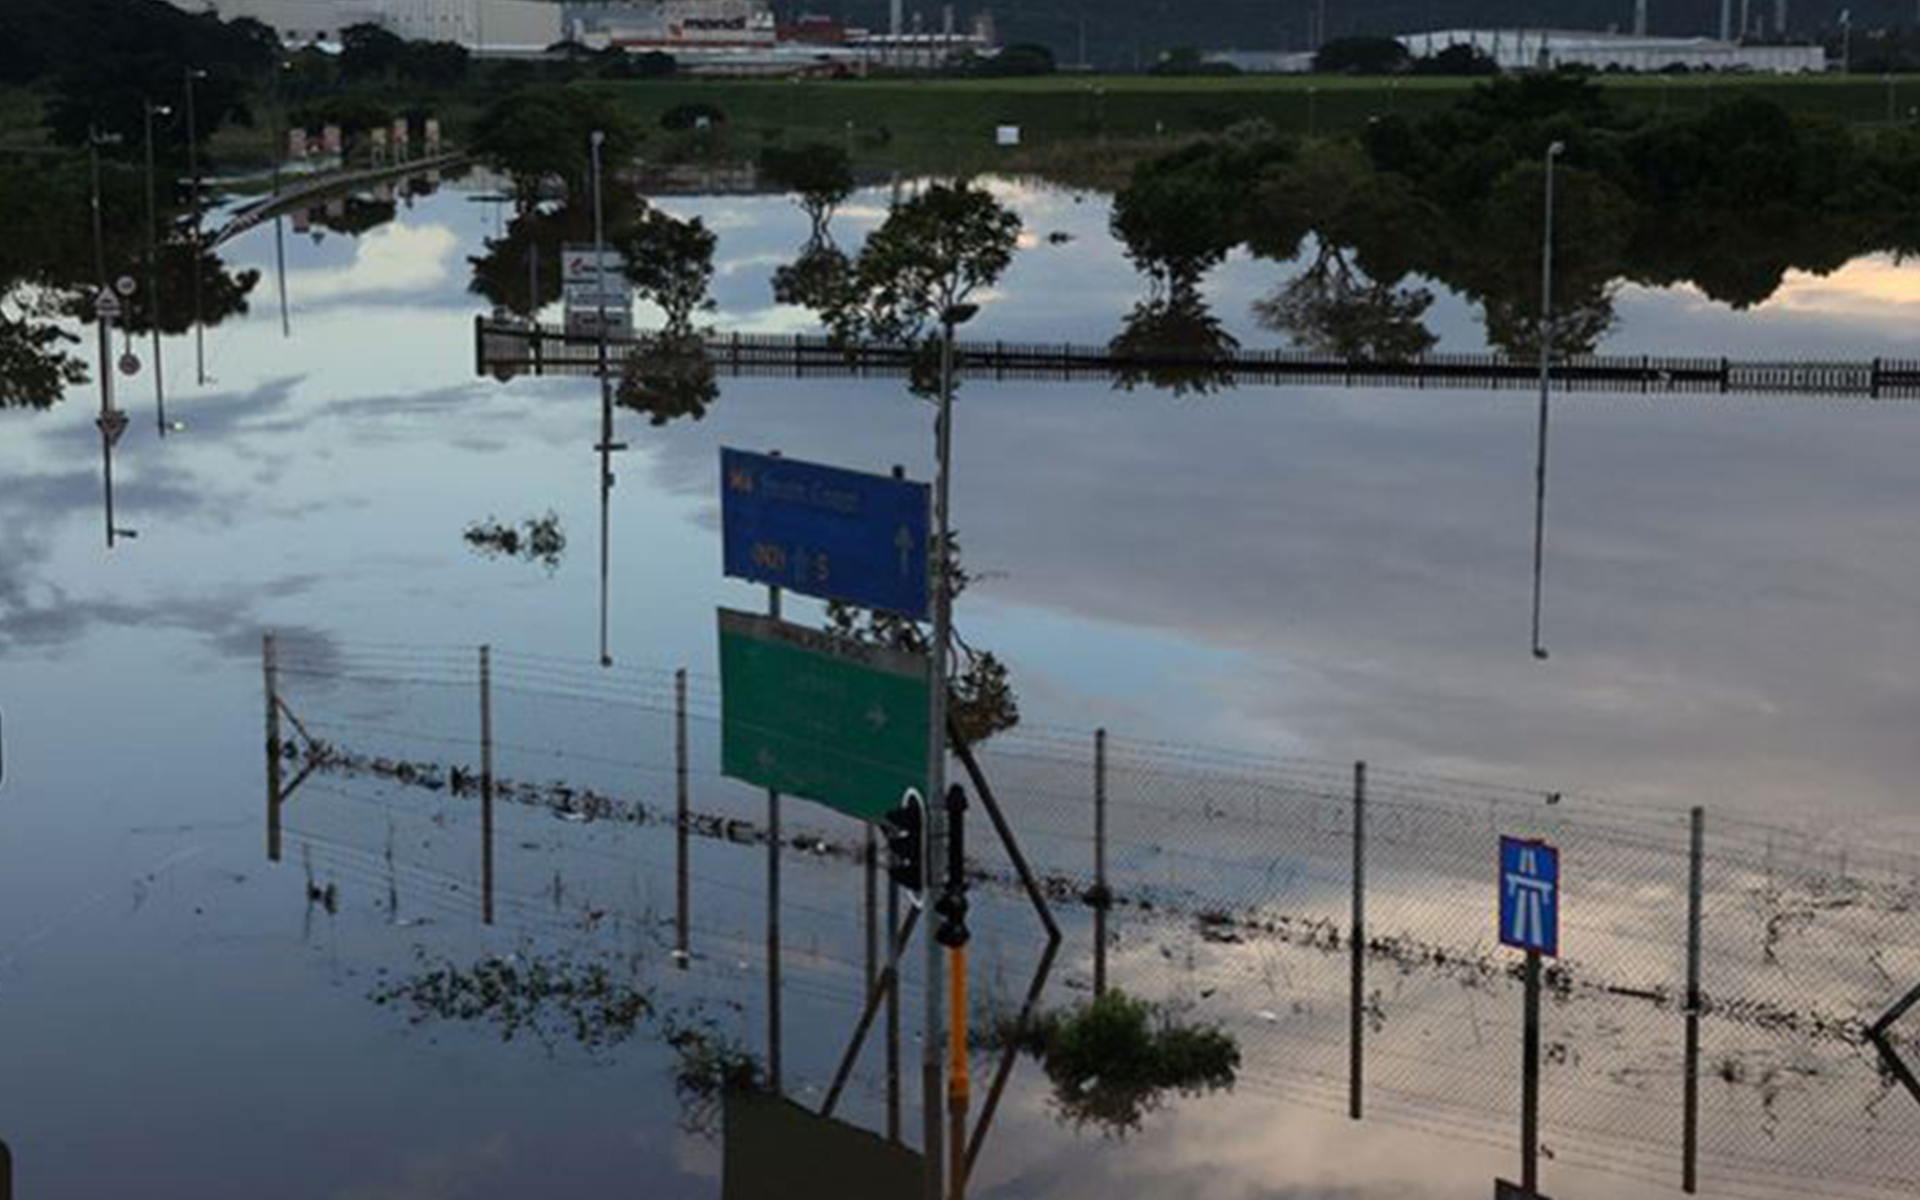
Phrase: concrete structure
(1526,49)
(675,27)
(497,26)
(1263,62)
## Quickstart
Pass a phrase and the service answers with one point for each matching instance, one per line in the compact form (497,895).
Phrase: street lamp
(106,305)
(606,446)
(193,171)
(1546,375)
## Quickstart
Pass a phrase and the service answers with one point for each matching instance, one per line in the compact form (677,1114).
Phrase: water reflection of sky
(1340,574)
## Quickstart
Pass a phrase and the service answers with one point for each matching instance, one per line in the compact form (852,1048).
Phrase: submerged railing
(505,348)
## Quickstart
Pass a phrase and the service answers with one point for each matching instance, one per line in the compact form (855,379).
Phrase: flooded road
(1315,575)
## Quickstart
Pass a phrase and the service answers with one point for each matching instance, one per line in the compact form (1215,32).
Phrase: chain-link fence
(1221,883)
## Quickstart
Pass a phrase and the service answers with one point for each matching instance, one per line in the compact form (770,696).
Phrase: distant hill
(1122,33)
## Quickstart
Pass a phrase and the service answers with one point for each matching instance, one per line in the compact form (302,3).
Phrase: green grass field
(921,122)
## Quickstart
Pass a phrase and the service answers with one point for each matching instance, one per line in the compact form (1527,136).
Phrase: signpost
(1530,896)
(1529,921)
(827,532)
(810,714)
(594,285)
(581,265)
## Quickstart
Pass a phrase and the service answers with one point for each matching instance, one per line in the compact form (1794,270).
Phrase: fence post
(1101,896)
(1696,890)
(1357,939)
(270,668)
(486,785)
(682,915)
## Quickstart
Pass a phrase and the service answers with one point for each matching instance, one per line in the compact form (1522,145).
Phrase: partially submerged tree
(821,176)
(921,270)
(918,276)
(543,131)
(670,263)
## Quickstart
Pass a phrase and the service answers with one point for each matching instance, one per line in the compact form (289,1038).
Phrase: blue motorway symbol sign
(839,535)
(1530,896)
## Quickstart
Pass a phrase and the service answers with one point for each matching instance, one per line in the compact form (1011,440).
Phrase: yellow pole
(959,1081)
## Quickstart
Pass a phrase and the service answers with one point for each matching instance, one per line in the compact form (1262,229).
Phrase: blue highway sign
(822,531)
(1530,896)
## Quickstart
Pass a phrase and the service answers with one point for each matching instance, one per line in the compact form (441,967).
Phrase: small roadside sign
(1530,896)
(581,265)
(589,296)
(814,715)
(825,531)
(107,305)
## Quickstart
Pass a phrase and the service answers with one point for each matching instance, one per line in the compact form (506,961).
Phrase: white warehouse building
(502,26)
(1527,49)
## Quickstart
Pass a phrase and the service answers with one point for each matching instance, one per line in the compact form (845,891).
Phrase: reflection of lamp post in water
(1546,374)
(606,446)
(153,268)
(193,172)
(106,305)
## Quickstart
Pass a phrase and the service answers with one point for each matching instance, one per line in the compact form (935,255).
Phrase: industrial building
(1529,49)
(484,26)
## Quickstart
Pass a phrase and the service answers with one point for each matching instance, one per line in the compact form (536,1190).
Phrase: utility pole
(1546,375)
(606,446)
(106,304)
(193,173)
(934,856)
(153,269)
(1726,20)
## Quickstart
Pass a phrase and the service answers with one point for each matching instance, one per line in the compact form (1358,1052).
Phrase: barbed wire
(1231,879)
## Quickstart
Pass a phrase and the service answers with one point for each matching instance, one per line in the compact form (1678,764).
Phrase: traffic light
(905,829)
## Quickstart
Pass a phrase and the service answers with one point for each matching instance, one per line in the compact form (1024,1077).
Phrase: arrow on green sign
(809,714)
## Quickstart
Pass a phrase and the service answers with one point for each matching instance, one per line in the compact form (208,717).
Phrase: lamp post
(106,305)
(153,269)
(1546,376)
(595,141)
(193,173)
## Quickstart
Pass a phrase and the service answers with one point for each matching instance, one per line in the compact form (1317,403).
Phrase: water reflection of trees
(48,272)
(1115,1060)
(1727,201)
(569,1000)
(1173,341)
(820,179)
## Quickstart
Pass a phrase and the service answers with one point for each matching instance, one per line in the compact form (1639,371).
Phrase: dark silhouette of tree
(820,176)
(539,132)
(670,262)
(668,375)
(815,279)
(36,365)
(1181,214)
(933,254)
(1114,1060)
(1172,341)
(1362,56)
(981,701)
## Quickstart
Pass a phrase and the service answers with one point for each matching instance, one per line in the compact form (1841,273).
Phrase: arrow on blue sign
(1530,896)
(827,532)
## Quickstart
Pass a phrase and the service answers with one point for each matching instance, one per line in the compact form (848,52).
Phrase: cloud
(399,258)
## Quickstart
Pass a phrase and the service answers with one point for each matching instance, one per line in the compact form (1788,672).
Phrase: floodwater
(1314,575)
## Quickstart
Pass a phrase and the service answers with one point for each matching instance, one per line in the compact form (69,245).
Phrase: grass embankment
(1064,119)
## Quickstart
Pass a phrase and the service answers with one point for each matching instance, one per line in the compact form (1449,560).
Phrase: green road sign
(809,714)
